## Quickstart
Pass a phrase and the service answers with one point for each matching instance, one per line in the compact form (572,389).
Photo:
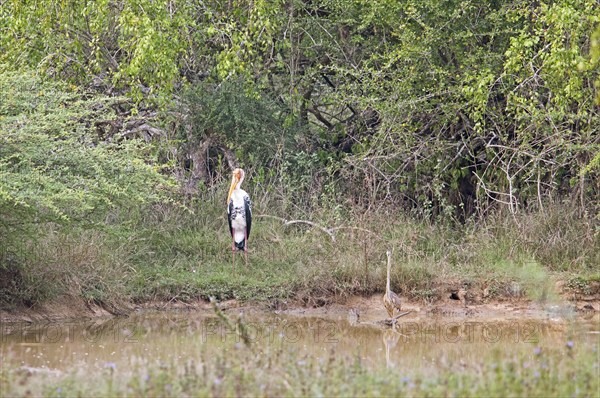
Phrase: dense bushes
(58,175)
(449,110)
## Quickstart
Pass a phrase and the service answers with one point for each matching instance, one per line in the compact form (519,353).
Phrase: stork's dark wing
(229,211)
(248,214)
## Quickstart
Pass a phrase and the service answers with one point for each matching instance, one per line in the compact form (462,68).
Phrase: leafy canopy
(53,165)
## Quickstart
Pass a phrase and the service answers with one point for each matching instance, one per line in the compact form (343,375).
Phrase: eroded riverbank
(367,307)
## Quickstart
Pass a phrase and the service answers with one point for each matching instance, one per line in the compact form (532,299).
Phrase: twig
(328,231)
(285,222)
(402,314)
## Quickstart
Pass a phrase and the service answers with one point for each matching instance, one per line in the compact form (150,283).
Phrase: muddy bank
(63,308)
(455,303)
(371,310)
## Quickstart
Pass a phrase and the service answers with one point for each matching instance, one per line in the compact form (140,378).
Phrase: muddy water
(416,344)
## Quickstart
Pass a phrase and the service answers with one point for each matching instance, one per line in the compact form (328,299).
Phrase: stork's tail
(241,245)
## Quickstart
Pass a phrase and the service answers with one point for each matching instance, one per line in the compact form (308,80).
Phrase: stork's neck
(239,184)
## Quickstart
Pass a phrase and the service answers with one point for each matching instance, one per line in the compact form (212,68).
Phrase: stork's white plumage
(239,214)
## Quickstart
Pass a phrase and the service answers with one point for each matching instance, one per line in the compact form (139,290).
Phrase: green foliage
(128,43)
(595,58)
(485,102)
(443,111)
(53,165)
(245,32)
(448,109)
(56,175)
(584,284)
(231,115)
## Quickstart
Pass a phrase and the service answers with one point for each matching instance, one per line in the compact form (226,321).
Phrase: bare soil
(454,303)
(62,309)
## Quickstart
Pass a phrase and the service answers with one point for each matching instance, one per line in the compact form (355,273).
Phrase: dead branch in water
(392,321)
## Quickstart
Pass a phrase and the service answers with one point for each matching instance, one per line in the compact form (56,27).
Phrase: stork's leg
(246,246)
(233,252)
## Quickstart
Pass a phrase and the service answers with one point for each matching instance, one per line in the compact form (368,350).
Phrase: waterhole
(414,344)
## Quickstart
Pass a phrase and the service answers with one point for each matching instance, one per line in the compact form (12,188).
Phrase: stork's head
(236,180)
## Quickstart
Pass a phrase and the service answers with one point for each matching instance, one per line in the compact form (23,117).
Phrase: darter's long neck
(389,265)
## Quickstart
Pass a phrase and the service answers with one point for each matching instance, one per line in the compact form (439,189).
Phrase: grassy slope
(168,254)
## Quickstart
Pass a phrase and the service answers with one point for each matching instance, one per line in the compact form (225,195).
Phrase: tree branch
(285,222)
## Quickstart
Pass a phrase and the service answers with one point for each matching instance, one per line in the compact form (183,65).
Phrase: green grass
(168,253)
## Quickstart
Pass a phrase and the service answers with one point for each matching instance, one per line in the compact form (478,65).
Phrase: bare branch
(328,231)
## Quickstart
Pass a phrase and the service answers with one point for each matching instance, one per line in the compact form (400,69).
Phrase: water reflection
(390,338)
(182,336)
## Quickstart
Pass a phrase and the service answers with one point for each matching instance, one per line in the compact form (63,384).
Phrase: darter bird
(391,301)
(239,215)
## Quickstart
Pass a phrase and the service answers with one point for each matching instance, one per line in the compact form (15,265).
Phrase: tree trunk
(199,170)
(200,166)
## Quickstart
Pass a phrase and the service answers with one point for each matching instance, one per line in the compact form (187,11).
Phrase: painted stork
(391,301)
(239,215)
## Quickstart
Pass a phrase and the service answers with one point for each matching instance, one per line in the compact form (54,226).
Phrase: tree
(132,46)
(54,164)
(243,127)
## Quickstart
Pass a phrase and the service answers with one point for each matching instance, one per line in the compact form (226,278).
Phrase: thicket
(456,113)
(446,109)
(58,173)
